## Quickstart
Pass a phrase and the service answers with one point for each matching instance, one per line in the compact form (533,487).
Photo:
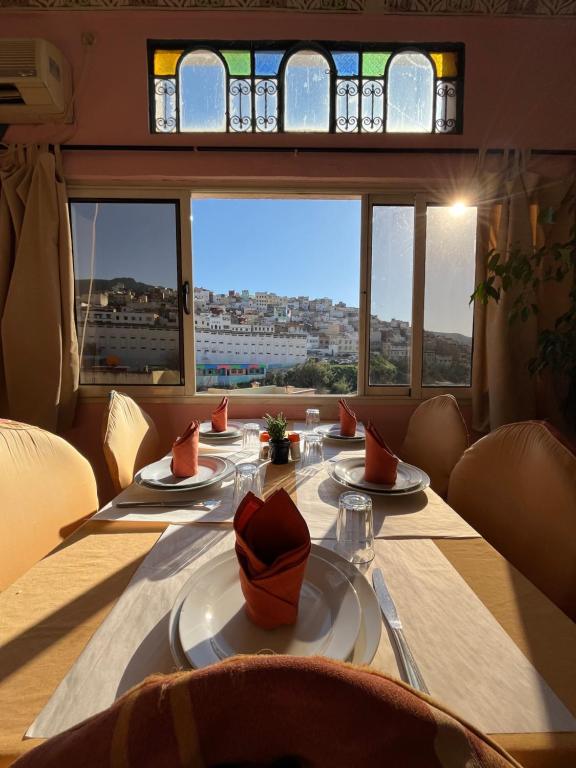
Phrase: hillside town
(248,338)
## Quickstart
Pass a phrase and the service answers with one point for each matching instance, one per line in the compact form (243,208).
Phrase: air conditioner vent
(18,58)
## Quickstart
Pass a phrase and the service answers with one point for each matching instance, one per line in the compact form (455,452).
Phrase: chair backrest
(436,439)
(130,439)
(517,487)
(47,489)
(271,711)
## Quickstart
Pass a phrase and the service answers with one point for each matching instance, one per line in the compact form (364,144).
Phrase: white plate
(213,624)
(332,432)
(234,430)
(370,623)
(211,470)
(350,473)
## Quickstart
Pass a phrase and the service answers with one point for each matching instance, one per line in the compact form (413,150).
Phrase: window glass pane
(276,295)
(238,62)
(165,62)
(346,63)
(266,105)
(374,64)
(127,309)
(307,92)
(267,62)
(410,90)
(445,106)
(446,64)
(450,260)
(202,93)
(372,106)
(165,104)
(240,105)
(347,105)
(391,294)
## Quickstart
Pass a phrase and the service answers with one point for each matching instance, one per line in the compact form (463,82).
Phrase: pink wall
(519,82)
(519,85)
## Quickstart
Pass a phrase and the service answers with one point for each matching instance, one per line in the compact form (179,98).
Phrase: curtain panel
(39,364)
(503,389)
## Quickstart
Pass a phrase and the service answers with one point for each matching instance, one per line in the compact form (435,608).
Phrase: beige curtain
(503,390)
(38,348)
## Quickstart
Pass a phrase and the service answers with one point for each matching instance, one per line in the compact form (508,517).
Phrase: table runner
(414,515)
(221,494)
(467,659)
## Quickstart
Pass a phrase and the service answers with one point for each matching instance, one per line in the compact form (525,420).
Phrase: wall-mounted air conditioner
(35,82)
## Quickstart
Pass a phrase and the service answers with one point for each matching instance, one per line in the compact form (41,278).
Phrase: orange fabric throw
(272,546)
(185,452)
(220,416)
(347,419)
(380,464)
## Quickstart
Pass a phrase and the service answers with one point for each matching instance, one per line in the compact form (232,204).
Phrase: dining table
(467,612)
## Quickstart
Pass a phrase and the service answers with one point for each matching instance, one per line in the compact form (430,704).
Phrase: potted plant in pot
(279,443)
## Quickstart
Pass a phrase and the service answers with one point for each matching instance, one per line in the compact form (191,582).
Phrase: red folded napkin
(185,452)
(220,416)
(272,546)
(380,464)
(347,419)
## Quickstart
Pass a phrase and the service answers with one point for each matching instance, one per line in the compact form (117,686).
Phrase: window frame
(366,393)
(324,47)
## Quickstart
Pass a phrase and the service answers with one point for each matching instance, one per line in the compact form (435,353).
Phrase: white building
(266,348)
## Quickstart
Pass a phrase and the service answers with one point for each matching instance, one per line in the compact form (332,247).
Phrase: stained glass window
(286,87)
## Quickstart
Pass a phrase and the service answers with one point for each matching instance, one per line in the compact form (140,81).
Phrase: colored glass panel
(374,64)
(238,62)
(267,62)
(346,63)
(446,64)
(165,62)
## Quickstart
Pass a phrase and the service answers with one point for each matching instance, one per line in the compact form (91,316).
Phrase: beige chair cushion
(517,487)
(130,439)
(46,490)
(436,439)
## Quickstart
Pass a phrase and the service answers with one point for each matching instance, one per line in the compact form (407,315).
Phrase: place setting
(347,430)
(186,485)
(275,592)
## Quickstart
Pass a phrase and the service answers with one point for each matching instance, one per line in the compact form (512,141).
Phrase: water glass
(355,528)
(313,449)
(312,419)
(247,478)
(251,436)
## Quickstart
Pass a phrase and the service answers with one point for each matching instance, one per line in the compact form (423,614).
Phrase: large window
(276,294)
(126,265)
(421,284)
(267,87)
(293,295)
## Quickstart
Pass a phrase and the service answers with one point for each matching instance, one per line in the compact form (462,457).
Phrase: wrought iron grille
(264,87)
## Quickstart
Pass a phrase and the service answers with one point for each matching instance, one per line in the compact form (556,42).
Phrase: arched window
(307,92)
(410,94)
(202,92)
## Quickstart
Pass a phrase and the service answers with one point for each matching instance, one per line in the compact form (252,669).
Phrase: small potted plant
(279,443)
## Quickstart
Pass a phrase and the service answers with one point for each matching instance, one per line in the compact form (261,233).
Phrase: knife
(390,613)
(172,504)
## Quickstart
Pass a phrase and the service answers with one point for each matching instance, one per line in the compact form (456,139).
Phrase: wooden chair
(130,439)
(272,712)
(47,489)
(436,439)
(517,487)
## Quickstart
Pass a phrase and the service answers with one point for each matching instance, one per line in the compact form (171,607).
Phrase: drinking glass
(247,478)
(312,418)
(251,436)
(313,449)
(355,528)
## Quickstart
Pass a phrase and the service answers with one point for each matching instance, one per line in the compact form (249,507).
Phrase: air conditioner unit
(35,82)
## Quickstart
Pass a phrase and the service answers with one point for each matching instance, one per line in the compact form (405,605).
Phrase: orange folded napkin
(272,546)
(347,419)
(185,452)
(220,416)
(380,464)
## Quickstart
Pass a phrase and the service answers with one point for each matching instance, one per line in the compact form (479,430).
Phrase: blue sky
(290,247)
